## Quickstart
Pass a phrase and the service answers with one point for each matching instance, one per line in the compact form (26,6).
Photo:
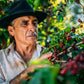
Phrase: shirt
(11,63)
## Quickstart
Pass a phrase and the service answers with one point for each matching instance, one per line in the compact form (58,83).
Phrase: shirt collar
(35,55)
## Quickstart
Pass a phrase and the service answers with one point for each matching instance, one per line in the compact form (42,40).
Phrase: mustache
(31,34)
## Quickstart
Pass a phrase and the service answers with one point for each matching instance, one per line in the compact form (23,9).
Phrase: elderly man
(22,26)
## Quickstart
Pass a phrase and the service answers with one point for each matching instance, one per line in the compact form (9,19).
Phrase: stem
(62,61)
(62,53)
(81,5)
(76,45)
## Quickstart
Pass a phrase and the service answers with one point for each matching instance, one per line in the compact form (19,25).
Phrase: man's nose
(31,27)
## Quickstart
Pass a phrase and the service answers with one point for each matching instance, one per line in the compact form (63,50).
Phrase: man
(22,25)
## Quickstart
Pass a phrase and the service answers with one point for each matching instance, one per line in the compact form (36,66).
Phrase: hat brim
(4,22)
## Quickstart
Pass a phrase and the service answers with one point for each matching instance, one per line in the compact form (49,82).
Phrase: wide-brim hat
(18,9)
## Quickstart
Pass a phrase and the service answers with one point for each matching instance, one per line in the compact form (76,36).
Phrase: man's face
(25,30)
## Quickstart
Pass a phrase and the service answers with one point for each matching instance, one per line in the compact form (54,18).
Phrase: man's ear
(11,30)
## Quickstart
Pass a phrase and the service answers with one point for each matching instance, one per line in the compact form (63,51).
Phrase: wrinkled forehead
(32,18)
(26,18)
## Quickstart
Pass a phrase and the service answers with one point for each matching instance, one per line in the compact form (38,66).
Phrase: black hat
(18,9)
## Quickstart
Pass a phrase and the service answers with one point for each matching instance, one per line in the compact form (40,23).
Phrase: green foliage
(37,61)
(3,41)
(40,3)
(71,1)
(41,74)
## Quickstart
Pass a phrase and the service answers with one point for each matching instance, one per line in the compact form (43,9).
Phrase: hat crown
(20,6)
(18,9)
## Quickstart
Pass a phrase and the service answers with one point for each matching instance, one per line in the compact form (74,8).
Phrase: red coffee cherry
(49,58)
(65,33)
(73,45)
(82,53)
(64,48)
(54,48)
(63,71)
(52,63)
(75,67)
(76,58)
(73,29)
(81,26)
(81,59)
(73,72)
(58,51)
(77,1)
(76,48)
(64,52)
(55,57)
(79,20)
(68,38)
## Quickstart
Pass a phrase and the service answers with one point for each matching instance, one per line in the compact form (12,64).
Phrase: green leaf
(36,79)
(43,2)
(23,82)
(82,45)
(46,75)
(37,61)
(0,33)
(36,4)
(71,1)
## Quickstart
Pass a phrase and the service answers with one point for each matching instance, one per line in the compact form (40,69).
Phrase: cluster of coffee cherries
(74,65)
(58,54)
(73,29)
(77,1)
(55,56)
(68,37)
(74,47)
(62,48)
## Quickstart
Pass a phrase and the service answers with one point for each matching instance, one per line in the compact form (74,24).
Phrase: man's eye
(34,24)
(25,22)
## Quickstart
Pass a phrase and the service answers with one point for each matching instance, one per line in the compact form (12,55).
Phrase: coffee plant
(67,45)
